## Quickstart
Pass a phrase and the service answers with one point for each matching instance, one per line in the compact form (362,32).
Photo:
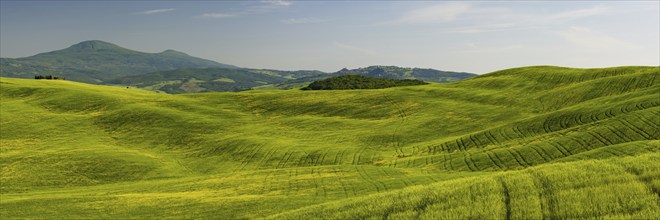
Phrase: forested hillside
(360,82)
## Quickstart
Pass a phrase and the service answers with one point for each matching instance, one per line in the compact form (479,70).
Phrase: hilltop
(359,82)
(394,72)
(98,61)
(536,142)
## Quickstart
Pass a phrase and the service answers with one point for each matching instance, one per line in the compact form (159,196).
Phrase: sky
(467,36)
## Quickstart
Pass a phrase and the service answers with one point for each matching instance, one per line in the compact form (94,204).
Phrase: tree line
(48,77)
(360,82)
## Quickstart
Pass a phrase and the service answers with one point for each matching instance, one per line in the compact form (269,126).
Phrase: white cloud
(476,48)
(266,6)
(156,11)
(580,13)
(486,28)
(434,14)
(493,19)
(302,21)
(278,2)
(217,15)
(352,48)
(587,38)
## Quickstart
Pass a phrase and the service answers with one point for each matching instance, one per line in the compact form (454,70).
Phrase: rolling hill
(531,142)
(191,80)
(389,72)
(98,61)
(360,82)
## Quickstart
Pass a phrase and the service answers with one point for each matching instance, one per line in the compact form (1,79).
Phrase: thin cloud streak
(278,2)
(587,38)
(217,15)
(352,48)
(156,11)
(580,13)
(433,14)
(303,21)
(523,21)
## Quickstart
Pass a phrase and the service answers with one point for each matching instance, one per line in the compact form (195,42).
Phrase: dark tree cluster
(360,82)
(48,77)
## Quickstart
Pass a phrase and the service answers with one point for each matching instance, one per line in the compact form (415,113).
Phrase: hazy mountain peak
(170,51)
(97,61)
(94,45)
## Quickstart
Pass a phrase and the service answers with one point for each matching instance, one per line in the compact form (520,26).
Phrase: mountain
(538,142)
(360,82)
(390,72)
(98,61)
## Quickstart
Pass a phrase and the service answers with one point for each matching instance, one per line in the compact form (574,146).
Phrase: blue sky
(470,36)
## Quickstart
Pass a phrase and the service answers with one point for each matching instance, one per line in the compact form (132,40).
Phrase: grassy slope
(537,141)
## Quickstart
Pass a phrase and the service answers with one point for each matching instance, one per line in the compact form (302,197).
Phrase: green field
(524,143)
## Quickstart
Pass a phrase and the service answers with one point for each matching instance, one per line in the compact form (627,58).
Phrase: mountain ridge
(96,61)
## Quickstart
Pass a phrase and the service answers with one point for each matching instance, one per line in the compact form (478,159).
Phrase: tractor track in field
(507,197)
(597,137)
(622,137)
(491,138)
(515,158)
(521,157)
(360,170)
(342,181)
(500,159)
(263,162)
(580,142)
(249,159)
(339,157)
(469,156)
(538,149)
(636,129)
(353,161)
(321,160)
(603,139)
(303,160)
(546,196)
(285,159)
(647,121)
(488,153)
(559,148)
(403,116)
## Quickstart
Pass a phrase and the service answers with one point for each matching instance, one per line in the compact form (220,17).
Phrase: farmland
(531,142)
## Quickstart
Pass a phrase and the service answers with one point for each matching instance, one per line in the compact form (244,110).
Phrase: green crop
(523,143)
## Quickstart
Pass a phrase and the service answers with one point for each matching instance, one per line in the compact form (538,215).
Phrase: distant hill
(390,72)
(191,80)
(360,82)
(98,61)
